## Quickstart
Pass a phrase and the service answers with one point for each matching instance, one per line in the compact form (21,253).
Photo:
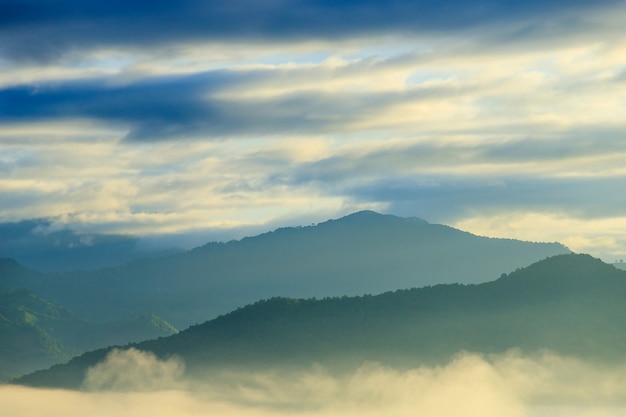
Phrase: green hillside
(571,304)
(36,333)
(31,330)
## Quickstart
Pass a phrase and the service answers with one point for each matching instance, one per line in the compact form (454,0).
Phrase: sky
(143,126)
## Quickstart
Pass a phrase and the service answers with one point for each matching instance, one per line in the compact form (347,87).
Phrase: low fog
(134,383)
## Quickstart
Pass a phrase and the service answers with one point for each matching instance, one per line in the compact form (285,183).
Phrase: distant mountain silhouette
(14,276)
(362,253)
(36,333)
(570,304)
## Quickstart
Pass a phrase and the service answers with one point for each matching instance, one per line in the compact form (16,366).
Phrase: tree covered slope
(571,304)
(36,333)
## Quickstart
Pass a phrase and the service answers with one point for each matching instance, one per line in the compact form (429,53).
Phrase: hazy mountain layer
(362,253)
(36,333)
(570,304)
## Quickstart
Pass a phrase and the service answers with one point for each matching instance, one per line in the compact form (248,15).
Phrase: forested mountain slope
(36,333)
(570,304)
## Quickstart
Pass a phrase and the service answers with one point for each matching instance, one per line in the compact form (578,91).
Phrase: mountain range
(569,304)
(363,253)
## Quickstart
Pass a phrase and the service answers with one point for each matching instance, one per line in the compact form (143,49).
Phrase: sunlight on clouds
(207,213)
(543,378)
(134,370)
(193,57)
(510,384)
(72,131)
(334,75)
(302,150)
(603,237)
(37,74)
(426,116)
(162,187)
(31,185)
(173,187)
(482,109)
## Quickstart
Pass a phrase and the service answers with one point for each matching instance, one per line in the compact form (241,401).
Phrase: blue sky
(162,123)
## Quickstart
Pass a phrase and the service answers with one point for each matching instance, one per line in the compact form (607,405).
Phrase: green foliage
(36,333)
(30,319)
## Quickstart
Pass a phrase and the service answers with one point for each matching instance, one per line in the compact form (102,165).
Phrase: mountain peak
(373,216)
(569,271)
(365,252)
(417,220)
(363,215)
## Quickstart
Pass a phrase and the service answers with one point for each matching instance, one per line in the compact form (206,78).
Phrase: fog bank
(133,383)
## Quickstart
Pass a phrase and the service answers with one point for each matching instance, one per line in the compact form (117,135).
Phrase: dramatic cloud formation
(132,383)
(159,121)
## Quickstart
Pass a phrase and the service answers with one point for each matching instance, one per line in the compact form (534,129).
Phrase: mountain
(37,333)
(570,304)
(365,252)
(26,324)
(14,275)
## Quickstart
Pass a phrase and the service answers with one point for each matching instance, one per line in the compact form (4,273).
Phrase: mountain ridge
(365,252)
(409,327)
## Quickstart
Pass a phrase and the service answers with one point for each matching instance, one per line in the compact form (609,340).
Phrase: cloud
(448,180)
(203,105)
(133,370)
(151,108)
(44,244)
(484,93)
(39,31)
(132,383)
(578,234)
(454,197)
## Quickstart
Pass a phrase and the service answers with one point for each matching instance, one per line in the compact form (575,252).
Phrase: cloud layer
(470,385)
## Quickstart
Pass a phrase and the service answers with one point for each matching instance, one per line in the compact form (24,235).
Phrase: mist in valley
(135,383)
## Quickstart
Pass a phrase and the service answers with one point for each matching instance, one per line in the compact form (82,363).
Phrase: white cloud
(602,236)
(131,383)
(133,370)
